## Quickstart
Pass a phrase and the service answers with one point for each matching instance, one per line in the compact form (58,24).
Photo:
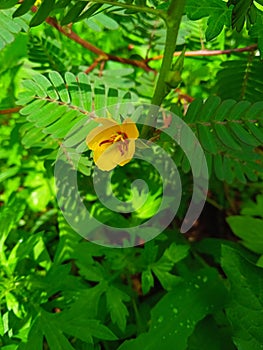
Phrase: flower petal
(129,154)
(108,159)
(99,134)
(112,156)
(108,152)
(130,128)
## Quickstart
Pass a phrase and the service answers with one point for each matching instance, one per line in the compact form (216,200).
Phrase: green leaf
(90,11)
(55,338)
(194,110)
(106,21)
(223,110)
(8,173)
(243,135)
(161,269)
(215,25)
(256,131)
(23,8)
(216,10)
(10,27)
(46,86)
(207,138)
(49,119)
(254,209)
(85,92)
(208,335)
(116,307)
(59,84)
(74,12)
(225,137)
(228,170)
(175,316)
(241,77)
(147,281)
(218,167)
(67,241)
(249,230)
(245,311)
(12,304)
(243,10)
(85,329)
(42,13)
(5,4)
(10,215)
(35,337)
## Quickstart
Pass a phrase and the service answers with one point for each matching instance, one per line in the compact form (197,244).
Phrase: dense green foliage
(61,60)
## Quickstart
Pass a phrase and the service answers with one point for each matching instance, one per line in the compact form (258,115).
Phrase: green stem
(139,324)
(173,20)
(132,7)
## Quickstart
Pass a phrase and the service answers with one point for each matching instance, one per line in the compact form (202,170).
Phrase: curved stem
(173,20)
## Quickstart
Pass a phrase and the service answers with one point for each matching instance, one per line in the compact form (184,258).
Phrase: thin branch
(208,52)
(141,64)
(144,64)
(10,110)
(93,65)
(72,35)
(103,55)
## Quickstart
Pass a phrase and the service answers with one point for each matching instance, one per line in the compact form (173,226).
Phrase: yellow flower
(38,2)
(112,144)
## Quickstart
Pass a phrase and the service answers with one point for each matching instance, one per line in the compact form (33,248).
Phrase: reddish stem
(10,110)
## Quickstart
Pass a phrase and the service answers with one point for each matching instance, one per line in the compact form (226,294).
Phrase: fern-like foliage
(241,79)
(141,29)
(57,107)
(256,31)
(243,11)
(48,54)
(230,133)
(74,11)
(10,27)
(217,11)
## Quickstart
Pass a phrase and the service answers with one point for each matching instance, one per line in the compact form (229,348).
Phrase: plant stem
(103,56)
(206,52)
(172,20)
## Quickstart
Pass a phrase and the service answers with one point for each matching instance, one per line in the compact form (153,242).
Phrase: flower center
(116,137)
(119,137)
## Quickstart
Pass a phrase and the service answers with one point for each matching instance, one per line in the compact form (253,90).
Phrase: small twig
(103,55)
(141,64)
(93,65)
(182,96)
(10,110)
(144,64)
(72,35)
(207,52)
(87,45)
(102,64)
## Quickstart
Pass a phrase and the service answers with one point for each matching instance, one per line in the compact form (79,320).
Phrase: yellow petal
(129,154)
(108,122)
(130,128)
(108,159)
(99,134)
(111,157)
(108,155)
(99,150)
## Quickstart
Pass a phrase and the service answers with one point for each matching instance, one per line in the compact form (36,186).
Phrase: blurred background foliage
(59,60)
